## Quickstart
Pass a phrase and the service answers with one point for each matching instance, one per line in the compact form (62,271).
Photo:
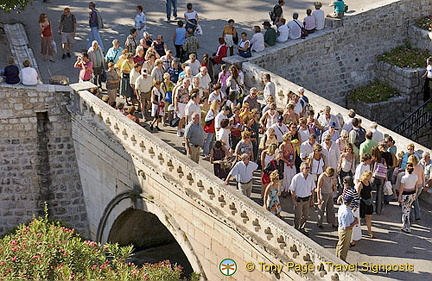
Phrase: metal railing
(412,126)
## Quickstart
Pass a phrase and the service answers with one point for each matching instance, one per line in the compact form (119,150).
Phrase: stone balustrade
(276,240)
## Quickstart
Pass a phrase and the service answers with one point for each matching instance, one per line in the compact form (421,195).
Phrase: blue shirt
(345,216)
(113,54)
(180,36)
(339,6)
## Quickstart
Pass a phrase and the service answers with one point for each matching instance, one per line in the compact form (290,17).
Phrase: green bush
(425,23)
(44,250)
(405,56)
(376,91)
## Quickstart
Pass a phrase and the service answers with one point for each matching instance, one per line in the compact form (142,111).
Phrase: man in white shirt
(366,160)
(319,16)
(331,150)
(194,64)
(306,148)
(282,31)
(143,86)
(302,195)
(193,106)
(294,27)
(376,134)
(326,118)
(269,88)
(243,172)
(280,128)
(204,79)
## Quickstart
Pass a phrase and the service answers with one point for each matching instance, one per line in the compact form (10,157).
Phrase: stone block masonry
(38,161)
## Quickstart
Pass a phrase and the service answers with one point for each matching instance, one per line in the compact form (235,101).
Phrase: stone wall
(420,38)
(333,61)
(408,81)
(210,221)
(37,155)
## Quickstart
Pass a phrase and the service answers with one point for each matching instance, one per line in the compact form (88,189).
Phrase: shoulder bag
(304,33)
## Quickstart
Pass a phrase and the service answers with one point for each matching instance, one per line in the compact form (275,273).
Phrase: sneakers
(406,230)
(68,55)
(64,56)
(179,134)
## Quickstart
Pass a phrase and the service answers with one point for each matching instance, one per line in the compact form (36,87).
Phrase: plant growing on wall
(425,23)
(44,250)
(376,91)
(14,5)
(405,56)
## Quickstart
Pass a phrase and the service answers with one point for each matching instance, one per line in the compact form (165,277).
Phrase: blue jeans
(415,214)
(208,144)
(168,8)
(94,35)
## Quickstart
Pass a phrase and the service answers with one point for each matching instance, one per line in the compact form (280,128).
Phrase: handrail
(415,121)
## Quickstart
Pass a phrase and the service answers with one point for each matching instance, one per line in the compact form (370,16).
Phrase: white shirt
(269,90)
(257,42)
(195,66)
(348,125)
(192,107)
(294,27)
(219,119)
(302,186)
(29,76)
(204,81)
(359,171)
(133,76)
(410,181)
(144,84)
(377,135)
(243,173)
(332,154)
(306,149)
(279,130)
(223,135)
(215,97)
(283,33)
(325,123)
(298,108)
(140,21)
(319,19)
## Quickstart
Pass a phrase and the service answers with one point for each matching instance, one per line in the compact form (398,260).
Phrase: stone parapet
(255,235)
(420,38)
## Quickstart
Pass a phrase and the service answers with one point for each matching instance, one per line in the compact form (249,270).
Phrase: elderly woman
(244,46)
(326,185)
(257,40)
(29,75)
(112,83)
(244,146)
(158,72)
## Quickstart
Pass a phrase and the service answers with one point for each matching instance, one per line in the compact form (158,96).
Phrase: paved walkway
(391,247)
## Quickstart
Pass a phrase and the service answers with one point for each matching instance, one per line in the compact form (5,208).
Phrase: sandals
(372,236)
(352,244)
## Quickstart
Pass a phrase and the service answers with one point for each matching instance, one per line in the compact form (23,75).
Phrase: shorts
(145,97)
(155,111)
(181,110)
(67,38)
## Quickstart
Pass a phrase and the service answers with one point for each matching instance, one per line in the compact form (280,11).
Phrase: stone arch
(152,240)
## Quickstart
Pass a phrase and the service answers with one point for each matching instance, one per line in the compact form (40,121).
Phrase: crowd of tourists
(303,152)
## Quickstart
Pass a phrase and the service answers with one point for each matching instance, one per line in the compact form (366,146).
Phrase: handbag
(246,54)
(265,178)
(209,126)
(388,190)
(380,171)
(236,38)
(198,30)
(304,33)
(175,121)
(103,76)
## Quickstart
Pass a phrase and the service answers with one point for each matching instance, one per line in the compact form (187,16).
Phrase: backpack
(272,13)
(360,136)
(99,20)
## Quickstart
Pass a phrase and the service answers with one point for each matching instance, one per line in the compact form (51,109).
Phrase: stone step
(19,45)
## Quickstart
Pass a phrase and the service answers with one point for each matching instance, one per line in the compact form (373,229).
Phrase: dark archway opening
(152,241)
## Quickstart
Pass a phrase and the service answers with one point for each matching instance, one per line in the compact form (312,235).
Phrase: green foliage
(376,91)
(425,23)
(44,250)
(405,56)
(14,5)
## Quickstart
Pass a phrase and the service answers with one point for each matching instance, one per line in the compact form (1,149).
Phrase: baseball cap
(280,118)
(333,124)
(266,23)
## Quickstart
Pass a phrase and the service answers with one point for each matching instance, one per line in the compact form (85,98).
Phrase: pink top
(309,22)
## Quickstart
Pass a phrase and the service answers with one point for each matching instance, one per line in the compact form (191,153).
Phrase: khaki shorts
(67,38)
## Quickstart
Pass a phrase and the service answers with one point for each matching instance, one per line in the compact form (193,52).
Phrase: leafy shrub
(405,56)
(425,23)
(44,250)
(375,92)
